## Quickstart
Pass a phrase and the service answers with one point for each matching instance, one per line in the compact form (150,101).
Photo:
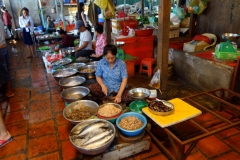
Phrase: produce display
(130,123)
(92,135)
(159,106)
(108,110)
(81,112)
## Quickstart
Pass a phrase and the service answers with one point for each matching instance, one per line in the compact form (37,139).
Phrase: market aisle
(40,131)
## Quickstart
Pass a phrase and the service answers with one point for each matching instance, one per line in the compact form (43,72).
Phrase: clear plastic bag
(170,56)
(155,81)
(179,12)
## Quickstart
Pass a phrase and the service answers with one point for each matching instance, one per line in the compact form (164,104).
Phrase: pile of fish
(90,135)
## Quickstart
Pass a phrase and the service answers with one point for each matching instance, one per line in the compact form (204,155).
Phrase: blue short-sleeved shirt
(112,78)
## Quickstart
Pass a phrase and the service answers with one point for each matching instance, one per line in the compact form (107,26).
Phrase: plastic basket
(226,55)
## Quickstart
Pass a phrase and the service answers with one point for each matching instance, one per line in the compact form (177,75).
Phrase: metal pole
(124,6)
(61,4)
(41,12)
(57,12)
(142,8)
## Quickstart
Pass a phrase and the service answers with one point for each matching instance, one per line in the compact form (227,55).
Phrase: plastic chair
(148,62)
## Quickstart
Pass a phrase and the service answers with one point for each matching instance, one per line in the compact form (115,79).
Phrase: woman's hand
(118,99)
(104,89)
(94,55)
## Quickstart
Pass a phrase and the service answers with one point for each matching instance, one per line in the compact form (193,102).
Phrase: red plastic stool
(148,62)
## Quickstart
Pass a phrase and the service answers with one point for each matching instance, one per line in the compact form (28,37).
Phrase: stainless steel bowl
(89,104)
(58,78)
(95,150)
(119,44)
(64,82)
(230,36)
(94,63)
(75,65)
(115,104)
(82,60)
(73,91)
(162,113)
(139,93)
(88,75)
(63,61)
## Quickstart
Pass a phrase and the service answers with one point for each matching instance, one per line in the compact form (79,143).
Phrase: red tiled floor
(20,97)
(40,90)
(40,129)
(64,131)
(39,84)
(152,151)
(53,84)
(56,90)
(42,145)
(23,71)
(212,146)
(228,132)
(18,128)
(157,157)
(40,78)
(203,118)
(68,151)
(40,97)
(229,156)
(21,90)
(18,116)
(21,76)
(196,156)
(40,105)
(16,106)
(51,156)
(40,116)
(16,146)
(16,157)
(59,106)
(234,141)
(60,119)
(57,98)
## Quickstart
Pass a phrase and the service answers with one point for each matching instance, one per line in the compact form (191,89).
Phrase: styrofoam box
(153,94)
(174,33)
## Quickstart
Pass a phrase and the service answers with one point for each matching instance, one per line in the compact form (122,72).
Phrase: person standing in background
(7,20)
(49,25)
(26,22)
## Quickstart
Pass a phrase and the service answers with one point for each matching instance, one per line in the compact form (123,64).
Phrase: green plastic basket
(226,55)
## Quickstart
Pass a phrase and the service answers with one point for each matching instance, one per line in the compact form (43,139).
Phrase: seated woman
(101,42)
(67,41)
(111,75)
(49,25)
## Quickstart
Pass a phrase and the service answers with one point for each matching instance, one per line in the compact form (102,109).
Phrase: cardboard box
(116,24)
(174,33)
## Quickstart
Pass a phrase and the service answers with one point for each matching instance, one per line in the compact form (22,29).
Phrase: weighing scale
(139,94)
(120,52)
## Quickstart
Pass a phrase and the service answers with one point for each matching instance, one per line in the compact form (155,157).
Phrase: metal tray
(63,61)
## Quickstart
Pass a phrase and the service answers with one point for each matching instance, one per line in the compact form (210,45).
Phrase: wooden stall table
(185,110)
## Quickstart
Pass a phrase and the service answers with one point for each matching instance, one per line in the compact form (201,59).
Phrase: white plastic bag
(155,81)
(170,56)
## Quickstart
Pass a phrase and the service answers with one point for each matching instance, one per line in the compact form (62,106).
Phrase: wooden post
(107,30)
(95,14)
(78,9)
(193,24)
(163,41)
(142,8)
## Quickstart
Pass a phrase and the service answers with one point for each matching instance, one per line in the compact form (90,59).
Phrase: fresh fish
(92,134)
(98,136)
(99,142)
(92,127)
(79,128)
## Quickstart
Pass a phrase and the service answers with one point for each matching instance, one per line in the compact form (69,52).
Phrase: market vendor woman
(112,77)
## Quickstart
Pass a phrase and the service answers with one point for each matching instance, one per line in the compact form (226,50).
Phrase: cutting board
(182,112)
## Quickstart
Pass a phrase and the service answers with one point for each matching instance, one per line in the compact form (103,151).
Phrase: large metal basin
(65,81)
(88,75)
(95,150)
(73,91)
(94,63)
(139,93)
(75,65)
(233,37)
(58,78)
(90,104)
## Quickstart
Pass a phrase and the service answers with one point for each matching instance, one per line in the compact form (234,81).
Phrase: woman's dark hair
(81,7)
(25,9)
(98,28)
(3,8)
(110,48)
(61,31)
(47,16)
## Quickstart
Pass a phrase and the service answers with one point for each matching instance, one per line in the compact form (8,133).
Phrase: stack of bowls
(132,133)
(111,118)
(89,104)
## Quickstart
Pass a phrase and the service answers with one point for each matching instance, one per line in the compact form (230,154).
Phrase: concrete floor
(40,131)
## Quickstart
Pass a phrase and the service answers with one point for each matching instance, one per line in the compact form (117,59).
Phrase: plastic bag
(170,56)
(155,81)
(197,6)
(109,12)
(101,4)
(179,12)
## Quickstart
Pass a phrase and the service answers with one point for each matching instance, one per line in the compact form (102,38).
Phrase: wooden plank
(122,149)
(163,41)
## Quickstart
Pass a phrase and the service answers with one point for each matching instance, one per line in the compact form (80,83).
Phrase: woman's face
(25,13)
(48,18)
(110,58)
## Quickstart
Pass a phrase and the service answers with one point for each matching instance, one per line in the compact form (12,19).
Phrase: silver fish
(92,134)
(79,128)
(91,128)
(99,142)
(98,136)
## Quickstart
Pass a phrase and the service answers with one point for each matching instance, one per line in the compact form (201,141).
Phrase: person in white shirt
(84,49)
(26,23)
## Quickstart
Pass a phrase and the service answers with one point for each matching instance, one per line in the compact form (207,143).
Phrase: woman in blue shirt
(111,75)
